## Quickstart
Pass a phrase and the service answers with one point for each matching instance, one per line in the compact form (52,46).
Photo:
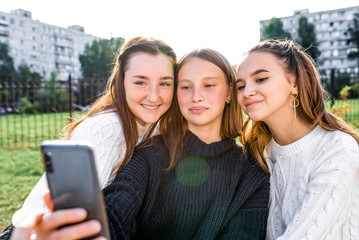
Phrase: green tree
(27,81)
(354,36)
(7,69)
(274,29)
(97,59)
(307,37)
(52,97)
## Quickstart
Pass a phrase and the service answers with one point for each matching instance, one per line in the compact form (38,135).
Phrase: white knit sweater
(314,187)
(104,131)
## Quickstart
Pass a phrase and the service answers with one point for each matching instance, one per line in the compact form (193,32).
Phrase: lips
(150,107)
(198,110)
(252,103)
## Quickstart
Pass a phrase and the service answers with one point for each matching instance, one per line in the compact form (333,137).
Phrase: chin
(255,118)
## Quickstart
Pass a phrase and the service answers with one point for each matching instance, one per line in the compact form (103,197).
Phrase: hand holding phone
(72,179)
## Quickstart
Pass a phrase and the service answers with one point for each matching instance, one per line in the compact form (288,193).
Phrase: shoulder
(103,122)
(332,142)
(104,118)
(155,148)
(249,164)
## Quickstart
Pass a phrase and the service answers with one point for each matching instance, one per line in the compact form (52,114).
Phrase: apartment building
(331,29)
(44,48)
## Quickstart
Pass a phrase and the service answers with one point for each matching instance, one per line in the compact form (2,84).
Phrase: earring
(228,101)
(294,103)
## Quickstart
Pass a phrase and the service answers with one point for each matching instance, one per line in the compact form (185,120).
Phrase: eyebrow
(146,78)
(205,78)
(254,73)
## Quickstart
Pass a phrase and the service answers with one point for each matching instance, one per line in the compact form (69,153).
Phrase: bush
(27,106)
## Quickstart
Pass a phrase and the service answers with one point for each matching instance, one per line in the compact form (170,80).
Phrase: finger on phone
(63,217)
(81,230)
(48,202)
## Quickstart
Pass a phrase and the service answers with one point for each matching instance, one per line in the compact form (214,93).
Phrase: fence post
(332,78)
(70,98)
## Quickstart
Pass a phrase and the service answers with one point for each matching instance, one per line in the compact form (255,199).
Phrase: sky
(228,26)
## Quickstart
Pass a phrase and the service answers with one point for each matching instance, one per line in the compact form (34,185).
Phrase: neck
(285,131)
(206,134)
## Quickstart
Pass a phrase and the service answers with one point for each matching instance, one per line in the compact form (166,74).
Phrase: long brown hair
(114,96)
(256,135)
(173,125)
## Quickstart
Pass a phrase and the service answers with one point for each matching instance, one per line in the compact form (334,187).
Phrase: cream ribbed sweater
(314,188)
(104,131)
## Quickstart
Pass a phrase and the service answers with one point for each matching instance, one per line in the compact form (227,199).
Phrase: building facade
(331,29)
(42,47)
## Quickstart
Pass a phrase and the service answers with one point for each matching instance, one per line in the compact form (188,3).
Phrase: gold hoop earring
(294,103)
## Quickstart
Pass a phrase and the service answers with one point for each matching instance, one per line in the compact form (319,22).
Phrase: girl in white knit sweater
(139,92)
(311,154)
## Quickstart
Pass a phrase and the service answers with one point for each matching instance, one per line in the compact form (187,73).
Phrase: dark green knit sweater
(214,192)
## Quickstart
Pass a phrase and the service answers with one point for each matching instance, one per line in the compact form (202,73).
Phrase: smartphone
(72,179)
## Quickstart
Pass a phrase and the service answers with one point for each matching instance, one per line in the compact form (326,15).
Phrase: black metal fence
(31,112)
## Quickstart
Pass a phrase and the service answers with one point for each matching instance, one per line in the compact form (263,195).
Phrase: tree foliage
(354,36)
(274,29)
(98,58)
(7,69)
(307,37)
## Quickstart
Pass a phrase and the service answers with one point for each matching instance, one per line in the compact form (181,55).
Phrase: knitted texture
(6,234)
(315,187)
(104,132)
(214,192)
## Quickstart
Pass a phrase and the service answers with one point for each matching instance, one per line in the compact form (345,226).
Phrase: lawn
(29,130)
(20,169)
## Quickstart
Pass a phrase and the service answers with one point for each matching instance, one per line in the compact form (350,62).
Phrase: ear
(229,94)
(294,85)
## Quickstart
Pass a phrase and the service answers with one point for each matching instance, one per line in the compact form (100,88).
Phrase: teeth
(150,107)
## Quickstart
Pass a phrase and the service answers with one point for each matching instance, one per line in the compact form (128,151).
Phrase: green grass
(20,169)
(29,130)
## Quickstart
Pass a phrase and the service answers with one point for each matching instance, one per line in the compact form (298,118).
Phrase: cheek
(166,95)
(182,98)
(240,97)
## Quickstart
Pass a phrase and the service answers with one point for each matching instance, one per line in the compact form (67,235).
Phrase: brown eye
(259,80)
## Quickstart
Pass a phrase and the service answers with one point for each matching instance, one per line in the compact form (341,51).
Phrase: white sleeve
(329,197)
(104,131)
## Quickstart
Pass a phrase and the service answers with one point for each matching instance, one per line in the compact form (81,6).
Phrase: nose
(197,95)
(153,93)
(249,91)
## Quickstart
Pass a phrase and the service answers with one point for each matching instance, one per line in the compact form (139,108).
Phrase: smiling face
(264,88)
(148,83)
(202,94)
